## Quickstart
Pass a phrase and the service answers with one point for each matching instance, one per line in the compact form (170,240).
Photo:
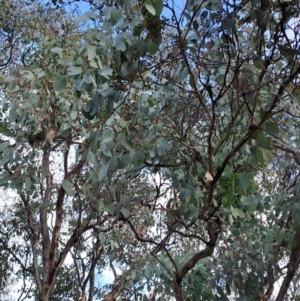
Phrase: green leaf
(110,104)
(120,45)
(103,172)
(150,8)
(280,236)
(68,187)
(184,193)
(82,18)
(113,162)
(151,47)
(5,131)
(92,77)
(133,275)
(237,212)
(11,86)
(115,15)
(56,50)
(259,63)
(272,128)
(256,155)
(13,114)
(204,15)
(163,143)
(287,51)
(124,161)
(107,11)
(28,183)
(158,5)
(126,143)
(4,145)
(88,115)
(251,202)
(93,16)
(267,155)
(125,212)
(73,70)
(60,82)
(28,74)
(74,115)
(99,205)
(33,99)
(261,140)
(94,106)
(41,74)
(91,157)
(244,180)
(105,71)
(91,52)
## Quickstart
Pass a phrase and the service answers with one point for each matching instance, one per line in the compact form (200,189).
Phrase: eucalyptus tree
(162,142)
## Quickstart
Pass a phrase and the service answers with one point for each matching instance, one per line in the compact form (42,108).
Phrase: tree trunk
(213,229)
(291,268)
(44,295)
(178,290)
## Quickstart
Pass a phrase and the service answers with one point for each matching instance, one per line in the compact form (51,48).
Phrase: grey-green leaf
(126,143)
(103,171)
(73,70)
(28,183)
(150,8)
(60,82)
(125,212)
(272,128)
(68,187)
(237,212)
(4,145)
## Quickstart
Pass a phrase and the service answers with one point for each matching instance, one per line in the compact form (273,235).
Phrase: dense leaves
(156,142)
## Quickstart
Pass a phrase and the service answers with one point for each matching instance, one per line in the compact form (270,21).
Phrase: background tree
(163,147)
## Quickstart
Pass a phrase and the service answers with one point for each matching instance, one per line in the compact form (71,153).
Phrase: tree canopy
(156,140)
